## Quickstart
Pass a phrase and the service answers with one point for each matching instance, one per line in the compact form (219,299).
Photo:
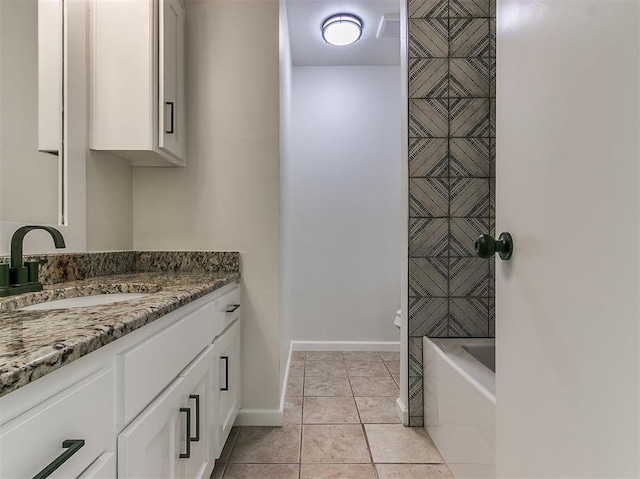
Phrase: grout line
(389,370)
(366,440)
(355,403)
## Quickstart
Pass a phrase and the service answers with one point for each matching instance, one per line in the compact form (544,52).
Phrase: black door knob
(486,246)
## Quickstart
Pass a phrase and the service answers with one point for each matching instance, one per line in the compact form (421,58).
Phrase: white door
(567,312)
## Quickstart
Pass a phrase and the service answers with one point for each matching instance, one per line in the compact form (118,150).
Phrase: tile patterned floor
(340,422)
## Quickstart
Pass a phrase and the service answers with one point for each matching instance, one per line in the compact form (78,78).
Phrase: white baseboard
(345,345)
(266,417)
(283,392)
(259,417)
(402,412)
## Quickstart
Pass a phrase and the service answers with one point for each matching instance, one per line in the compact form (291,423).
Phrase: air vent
(389,26)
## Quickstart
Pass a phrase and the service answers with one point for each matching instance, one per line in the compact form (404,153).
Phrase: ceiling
(308,48)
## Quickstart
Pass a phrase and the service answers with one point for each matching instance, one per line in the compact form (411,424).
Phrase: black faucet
(19,278)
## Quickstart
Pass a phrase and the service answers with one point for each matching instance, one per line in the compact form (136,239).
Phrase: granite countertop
(35,343)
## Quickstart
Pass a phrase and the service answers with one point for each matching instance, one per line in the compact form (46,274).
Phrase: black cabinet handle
(226,373)
(187,454)
(72,446)
(170,130)
(197,398)
(486,246)
(231,308)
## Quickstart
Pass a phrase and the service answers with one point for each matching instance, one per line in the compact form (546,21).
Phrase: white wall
(28,178)
(343,187)
(286,319)
(227,197)
(109,203)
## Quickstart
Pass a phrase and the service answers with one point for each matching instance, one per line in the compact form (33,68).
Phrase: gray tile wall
(451,175)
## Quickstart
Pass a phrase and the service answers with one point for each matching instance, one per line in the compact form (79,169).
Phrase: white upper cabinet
(138,82)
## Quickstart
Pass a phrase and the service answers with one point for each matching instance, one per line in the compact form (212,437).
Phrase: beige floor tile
(293,410)
(337,471)
(394,443)
(413,471)
(360,355)
(296,368)
(330,410)
(327,386)
(228,446)
(294,386)
(366,368)
(374,386)
(394,369)
(325,368)
(340,444)
(324,356)
(257,445)
(263,471)
(298,355)
(390,356)
(377,410)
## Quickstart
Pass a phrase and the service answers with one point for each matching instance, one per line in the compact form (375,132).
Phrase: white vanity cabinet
(137,85)
(201,404)
(170,439)
(158,402)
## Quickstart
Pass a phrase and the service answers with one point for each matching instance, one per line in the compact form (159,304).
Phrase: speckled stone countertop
(35,343)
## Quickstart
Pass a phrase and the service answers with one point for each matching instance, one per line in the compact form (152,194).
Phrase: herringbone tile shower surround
(452,93)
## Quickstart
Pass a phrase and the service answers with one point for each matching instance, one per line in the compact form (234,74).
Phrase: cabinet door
(171,438)
(150,446)
(171,111)
(198,384)
(227,355)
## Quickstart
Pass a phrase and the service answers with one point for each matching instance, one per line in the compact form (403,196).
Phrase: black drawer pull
(231,308)
(187,454)
(72,446)
(226,373)
(197,398)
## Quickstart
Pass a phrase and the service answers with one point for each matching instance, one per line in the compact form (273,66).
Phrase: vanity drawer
(227,310)
(33,440)
(150,366)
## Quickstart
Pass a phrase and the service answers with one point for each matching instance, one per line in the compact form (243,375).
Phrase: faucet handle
(18,276)
(32,271)
(4,275)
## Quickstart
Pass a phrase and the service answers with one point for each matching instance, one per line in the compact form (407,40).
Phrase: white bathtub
(460,403)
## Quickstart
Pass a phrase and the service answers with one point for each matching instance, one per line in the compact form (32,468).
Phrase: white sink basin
(84,301)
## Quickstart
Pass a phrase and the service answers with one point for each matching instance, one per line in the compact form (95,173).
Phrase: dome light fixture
(342,29)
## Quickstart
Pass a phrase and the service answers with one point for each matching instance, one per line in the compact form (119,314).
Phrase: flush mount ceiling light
(342,29)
